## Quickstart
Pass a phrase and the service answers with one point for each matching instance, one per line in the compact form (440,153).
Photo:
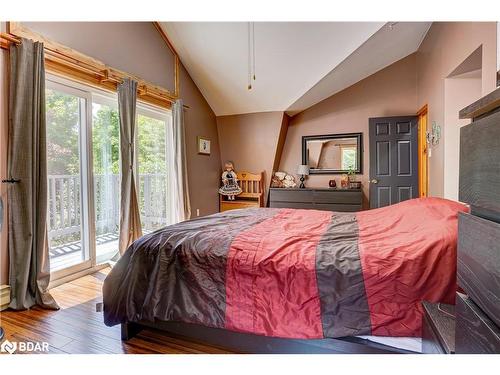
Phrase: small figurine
(230,186)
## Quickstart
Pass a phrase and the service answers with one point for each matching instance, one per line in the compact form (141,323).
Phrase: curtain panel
(29,268)
(130,221)
(181,206)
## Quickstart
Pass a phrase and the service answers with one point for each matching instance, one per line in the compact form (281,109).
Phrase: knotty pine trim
(65,61)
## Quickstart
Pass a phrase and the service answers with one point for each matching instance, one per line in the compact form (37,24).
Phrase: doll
(230,186)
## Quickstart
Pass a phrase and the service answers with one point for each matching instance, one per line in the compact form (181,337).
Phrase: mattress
(413,344)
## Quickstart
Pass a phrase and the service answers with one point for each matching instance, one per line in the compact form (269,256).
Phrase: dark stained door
(393,160)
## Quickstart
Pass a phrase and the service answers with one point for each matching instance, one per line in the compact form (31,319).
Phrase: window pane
(152,167)
(63,118)
(348,158)
(106,164)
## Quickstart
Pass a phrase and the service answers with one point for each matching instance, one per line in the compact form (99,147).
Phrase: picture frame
(203,145)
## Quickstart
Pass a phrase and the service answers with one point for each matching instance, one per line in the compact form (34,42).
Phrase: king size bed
(283,280)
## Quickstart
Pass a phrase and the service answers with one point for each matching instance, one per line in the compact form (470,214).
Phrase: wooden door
(393,160)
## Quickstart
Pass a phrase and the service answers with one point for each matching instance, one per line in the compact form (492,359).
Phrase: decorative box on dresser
(477,326)
(343,200)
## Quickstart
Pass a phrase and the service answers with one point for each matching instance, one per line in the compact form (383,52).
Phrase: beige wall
(251,141)
(445,47)
(203,171)
(4,264)
(134,47)
(390,92)
(459,92)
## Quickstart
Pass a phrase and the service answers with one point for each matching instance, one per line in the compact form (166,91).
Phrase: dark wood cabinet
(477,327)
(343,200)
(475,331)
(438,328)
(478,265)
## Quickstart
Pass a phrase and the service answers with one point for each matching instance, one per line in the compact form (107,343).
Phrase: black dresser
(343,200)
(474,325)
(477,324)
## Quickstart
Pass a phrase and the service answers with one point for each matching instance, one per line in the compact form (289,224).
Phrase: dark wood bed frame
(255,344)
(483,188)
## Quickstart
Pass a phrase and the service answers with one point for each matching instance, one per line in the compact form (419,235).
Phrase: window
(67,214)
(348,157)
(83,149)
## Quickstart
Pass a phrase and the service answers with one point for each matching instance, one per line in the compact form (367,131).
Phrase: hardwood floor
(78,328)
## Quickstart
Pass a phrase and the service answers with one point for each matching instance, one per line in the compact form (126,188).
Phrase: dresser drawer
(430,341)
(317,199)
(438,328)
(295,205)
(475,333)
(337,207)
(289,195)
(342,197)
(478,263)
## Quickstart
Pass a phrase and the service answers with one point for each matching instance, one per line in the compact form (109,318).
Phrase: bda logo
(24,347)
(9,347)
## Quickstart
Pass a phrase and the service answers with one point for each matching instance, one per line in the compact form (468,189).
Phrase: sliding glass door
(83,143)
(67,217)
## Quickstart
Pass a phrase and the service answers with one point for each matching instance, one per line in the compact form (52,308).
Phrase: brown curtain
(28,240)
(130,221)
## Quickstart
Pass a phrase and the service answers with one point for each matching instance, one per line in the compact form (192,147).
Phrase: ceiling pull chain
(249,87)
(253,48)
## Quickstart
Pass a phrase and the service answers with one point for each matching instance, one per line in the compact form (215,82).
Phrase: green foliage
(62,116)
(105,139)
(63,138)
(348,159)
(151,139)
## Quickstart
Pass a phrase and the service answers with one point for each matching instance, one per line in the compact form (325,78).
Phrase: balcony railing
(64,205)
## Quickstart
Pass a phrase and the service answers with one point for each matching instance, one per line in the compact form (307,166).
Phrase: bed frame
(255,344)
(475,184)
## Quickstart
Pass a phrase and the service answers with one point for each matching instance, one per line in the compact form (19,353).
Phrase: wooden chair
(252,186)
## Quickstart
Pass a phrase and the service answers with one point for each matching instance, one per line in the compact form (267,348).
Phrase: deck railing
(64,205)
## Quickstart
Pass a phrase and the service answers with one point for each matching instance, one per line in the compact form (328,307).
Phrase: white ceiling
(297,63)
(386,46)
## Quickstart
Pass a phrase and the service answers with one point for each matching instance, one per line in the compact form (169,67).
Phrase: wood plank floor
(78,328)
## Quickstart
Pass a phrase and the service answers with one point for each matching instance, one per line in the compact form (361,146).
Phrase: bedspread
(293,273)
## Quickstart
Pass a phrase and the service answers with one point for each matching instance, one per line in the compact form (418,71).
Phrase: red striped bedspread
(293,273)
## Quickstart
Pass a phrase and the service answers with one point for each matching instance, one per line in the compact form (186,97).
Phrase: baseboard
(4,297)
(5,289)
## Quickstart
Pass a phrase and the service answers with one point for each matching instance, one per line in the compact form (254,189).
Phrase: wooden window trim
(66,62)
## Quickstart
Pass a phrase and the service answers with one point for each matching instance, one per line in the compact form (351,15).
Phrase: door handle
(374,181)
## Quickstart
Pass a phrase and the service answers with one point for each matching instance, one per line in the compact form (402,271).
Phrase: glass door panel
(106,168)
(152,170)
(65,119)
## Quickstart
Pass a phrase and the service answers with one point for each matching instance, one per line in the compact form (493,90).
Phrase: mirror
(333,154)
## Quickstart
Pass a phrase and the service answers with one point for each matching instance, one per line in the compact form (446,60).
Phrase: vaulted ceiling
(297,64)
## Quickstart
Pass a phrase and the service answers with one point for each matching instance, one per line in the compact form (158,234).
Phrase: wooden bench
(252,186)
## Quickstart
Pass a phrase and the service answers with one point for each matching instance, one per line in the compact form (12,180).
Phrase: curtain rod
(105,73)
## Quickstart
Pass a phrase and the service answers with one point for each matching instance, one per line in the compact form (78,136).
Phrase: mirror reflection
(332,153)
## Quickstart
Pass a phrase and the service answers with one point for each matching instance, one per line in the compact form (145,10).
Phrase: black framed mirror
(333,153)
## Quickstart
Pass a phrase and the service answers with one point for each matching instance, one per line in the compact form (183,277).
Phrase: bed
(267,280)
